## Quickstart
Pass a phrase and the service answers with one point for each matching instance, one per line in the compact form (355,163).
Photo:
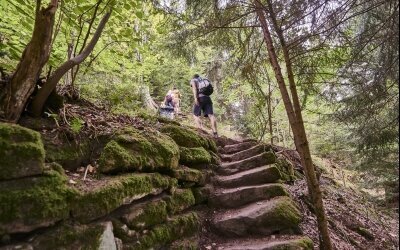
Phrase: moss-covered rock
(21,152)
(285,168)
(202,194)
(304,243)
(163,235)
(31,203)
(139,150)
(186,137)
(185,174)
(145,214)
(191,243)
(194,156)
(180,200)
(95,236)
(117,191)
(69,154)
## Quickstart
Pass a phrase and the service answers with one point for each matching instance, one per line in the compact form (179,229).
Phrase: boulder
(180,200)
(186,137)
(139,150)
(35,202)
(21,152)
(145,214)
(93,236)
(194,156)
(163,235)
(117,191)
(185,174)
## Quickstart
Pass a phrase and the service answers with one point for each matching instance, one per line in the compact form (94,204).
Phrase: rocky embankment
(150,189)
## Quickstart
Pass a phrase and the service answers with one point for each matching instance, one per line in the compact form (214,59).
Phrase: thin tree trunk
(22,84)
(147,101)
(43,94)
(296,121)
(269,103)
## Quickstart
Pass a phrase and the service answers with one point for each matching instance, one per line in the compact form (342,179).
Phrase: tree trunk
(22,84)
(295,120)
(43,94)
(147,101)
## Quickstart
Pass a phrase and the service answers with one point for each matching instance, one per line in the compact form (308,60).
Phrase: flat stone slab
(246,164)
(275,216)
(293,243)
(234,148)
(255,150)
(236,197)
(255,176)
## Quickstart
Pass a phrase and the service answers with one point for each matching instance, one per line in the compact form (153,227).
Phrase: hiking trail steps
(251,209)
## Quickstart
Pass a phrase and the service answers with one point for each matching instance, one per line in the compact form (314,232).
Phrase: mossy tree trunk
(22,83)
(51,83)
(293,111)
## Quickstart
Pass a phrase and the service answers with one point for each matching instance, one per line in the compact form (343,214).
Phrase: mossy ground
(186,174)
(21,152)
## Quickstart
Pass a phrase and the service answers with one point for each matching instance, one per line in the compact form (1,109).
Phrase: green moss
(180,200)
(286,209)
(286,169)
(300,243)
(116,158)
(116,192)
(70,155)
(201,194)
(194,156)
(21,152)
(71,237)
(146,215)
(34,202)
(139,150)
(163,235)
(186,174)
(364,232)
(186,137)
(191,243)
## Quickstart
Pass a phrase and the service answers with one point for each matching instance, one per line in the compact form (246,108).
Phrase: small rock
(81,169)
(72,182)
(214,244)
(208,247)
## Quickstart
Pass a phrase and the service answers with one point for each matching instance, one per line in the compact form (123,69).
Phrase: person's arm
(194,90)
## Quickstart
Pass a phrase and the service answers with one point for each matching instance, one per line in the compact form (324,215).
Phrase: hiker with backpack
(202,89)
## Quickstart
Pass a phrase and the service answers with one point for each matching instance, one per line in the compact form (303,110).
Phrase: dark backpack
(204,86)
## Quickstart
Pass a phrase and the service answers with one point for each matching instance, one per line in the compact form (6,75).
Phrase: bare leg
(213,123)
(197,120)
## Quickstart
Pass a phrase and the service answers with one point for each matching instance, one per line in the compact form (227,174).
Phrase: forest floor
(354,221)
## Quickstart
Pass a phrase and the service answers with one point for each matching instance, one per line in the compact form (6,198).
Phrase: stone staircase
(252,209)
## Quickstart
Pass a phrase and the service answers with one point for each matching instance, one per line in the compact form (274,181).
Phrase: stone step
(255,150)
(234,148)
(276,216)
(255,176)
(246,164)
(291,243)
(236,197)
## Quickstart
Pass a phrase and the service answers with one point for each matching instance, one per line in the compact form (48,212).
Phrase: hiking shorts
(205,106)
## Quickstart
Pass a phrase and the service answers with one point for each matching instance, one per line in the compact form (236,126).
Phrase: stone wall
(145,195)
